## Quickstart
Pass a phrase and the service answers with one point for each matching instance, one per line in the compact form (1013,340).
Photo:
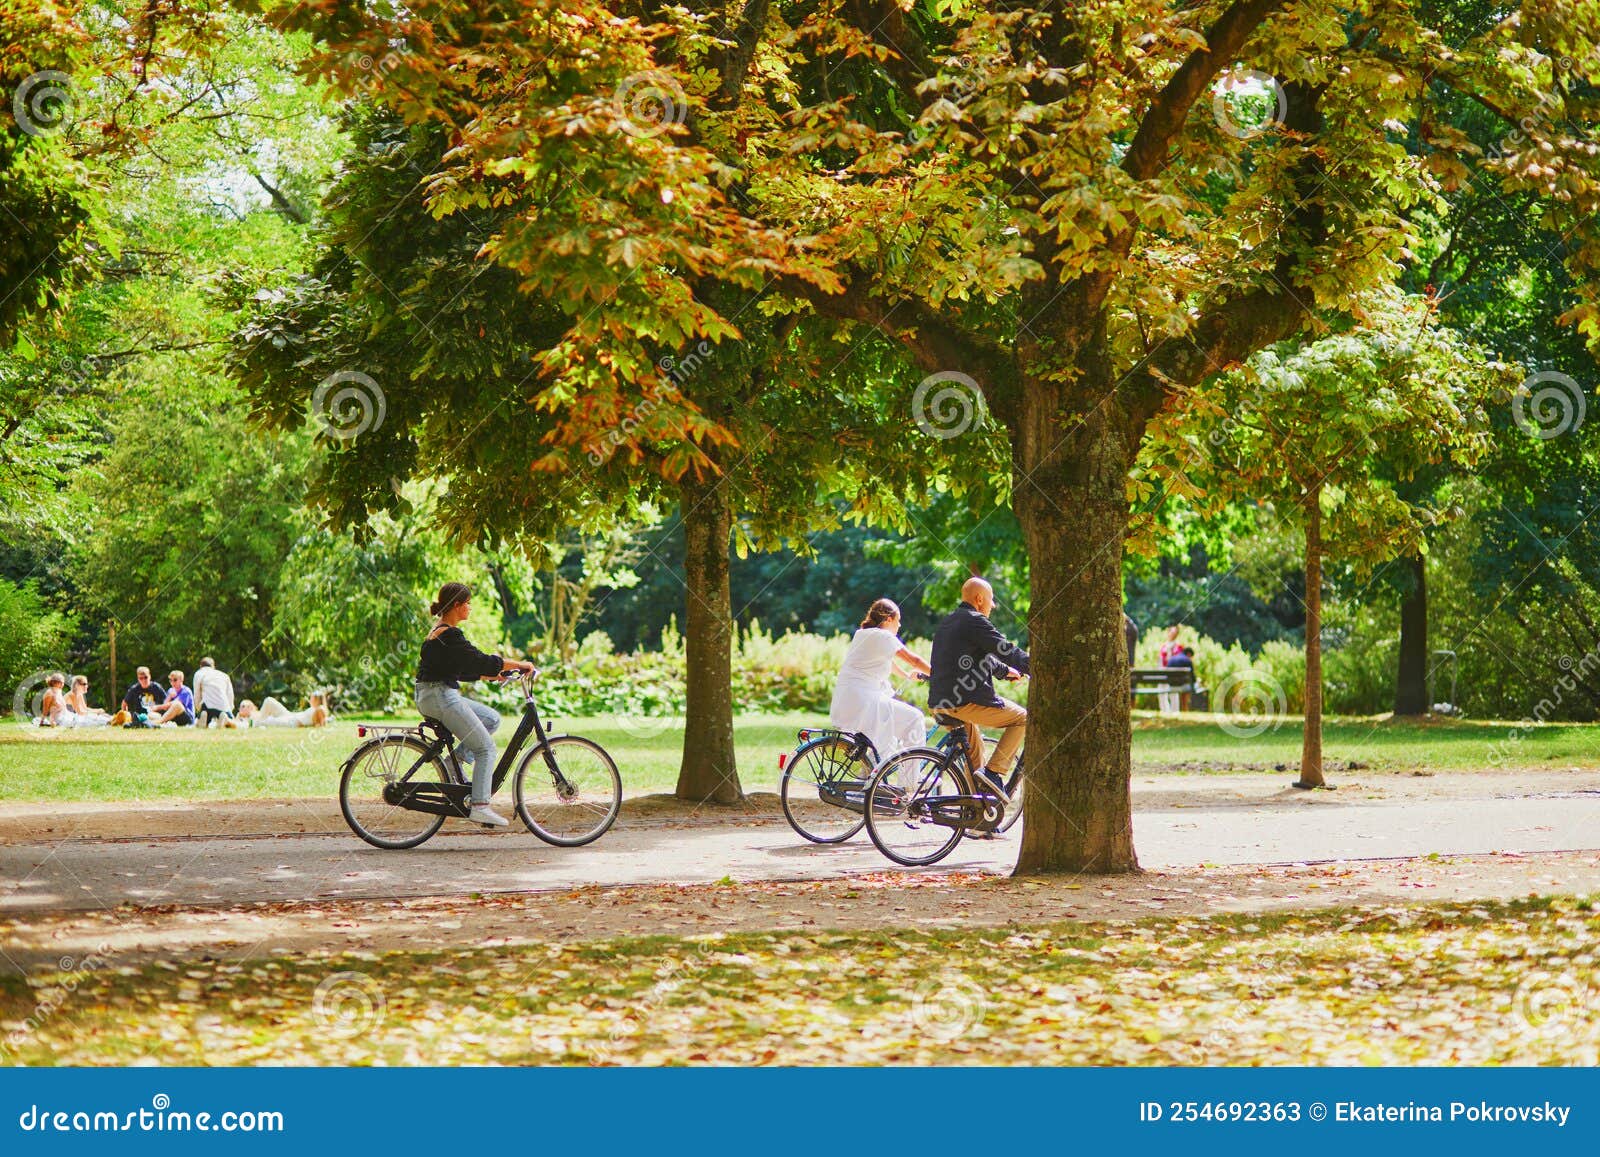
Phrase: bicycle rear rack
(383,729)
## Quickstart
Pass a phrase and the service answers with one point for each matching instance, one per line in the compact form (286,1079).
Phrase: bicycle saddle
(949,722)
(444,732)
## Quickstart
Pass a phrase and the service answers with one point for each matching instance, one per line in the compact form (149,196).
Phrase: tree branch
(1163,121)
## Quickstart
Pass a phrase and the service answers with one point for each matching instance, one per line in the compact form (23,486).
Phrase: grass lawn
(1474,984)
(172,763)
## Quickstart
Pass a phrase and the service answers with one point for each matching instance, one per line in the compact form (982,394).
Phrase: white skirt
(892,725)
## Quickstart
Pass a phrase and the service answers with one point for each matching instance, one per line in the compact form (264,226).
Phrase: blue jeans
(470,723)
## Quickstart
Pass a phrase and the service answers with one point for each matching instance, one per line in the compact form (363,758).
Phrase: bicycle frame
(452,799)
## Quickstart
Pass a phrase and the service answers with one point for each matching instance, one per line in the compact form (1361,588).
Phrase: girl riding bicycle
(448,659)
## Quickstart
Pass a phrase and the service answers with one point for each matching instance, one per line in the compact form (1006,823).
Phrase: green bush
(795,671)
(33,637)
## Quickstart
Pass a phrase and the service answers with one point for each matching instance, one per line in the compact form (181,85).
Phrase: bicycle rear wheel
(814,782)
(382,763)
(576,807)
(903,796)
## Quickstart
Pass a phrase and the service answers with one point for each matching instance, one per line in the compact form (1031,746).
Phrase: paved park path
(1207,820)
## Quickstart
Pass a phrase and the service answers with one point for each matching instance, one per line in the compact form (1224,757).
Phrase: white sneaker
(487,816)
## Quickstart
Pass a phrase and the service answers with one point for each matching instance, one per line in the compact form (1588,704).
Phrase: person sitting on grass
(83,714)
(272,713)
(54,704)
(178,707)
(140,699)
(213,694)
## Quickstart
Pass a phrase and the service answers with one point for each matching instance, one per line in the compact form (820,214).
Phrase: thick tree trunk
(1411,687)
(708,773)
(1072,457)
(1311,749)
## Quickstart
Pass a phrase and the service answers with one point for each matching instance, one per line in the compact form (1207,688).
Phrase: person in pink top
(1169,647)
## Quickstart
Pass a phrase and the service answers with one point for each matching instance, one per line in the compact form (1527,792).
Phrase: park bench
(1154,680)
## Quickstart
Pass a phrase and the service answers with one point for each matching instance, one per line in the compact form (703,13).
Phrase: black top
(967,652)
(139,699)
(448,658)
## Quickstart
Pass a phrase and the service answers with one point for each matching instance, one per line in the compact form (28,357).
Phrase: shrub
(32,636)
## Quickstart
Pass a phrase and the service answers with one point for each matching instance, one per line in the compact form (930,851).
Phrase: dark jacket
(967,652)
(448,658)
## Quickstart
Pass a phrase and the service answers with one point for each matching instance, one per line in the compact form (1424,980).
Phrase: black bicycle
(397,789)
(919,803)
(824,786)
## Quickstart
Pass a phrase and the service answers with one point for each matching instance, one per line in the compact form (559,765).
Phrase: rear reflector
(361,732)
(783,760)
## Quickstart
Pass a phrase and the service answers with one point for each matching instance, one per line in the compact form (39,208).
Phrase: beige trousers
(1012,718)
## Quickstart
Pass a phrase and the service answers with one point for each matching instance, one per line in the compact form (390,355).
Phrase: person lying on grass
(272,713)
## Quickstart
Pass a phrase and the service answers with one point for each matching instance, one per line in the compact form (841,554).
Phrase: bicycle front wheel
(820,778)
(383,763)
(568,792)
(905,802)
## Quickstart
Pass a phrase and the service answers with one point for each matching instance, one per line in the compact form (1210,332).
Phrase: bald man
(967,652)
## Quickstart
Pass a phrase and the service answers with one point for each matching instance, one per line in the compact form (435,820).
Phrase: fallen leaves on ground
(1480,983)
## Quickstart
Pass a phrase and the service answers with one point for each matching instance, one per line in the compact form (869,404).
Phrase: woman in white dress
(863,699)
(82,714)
